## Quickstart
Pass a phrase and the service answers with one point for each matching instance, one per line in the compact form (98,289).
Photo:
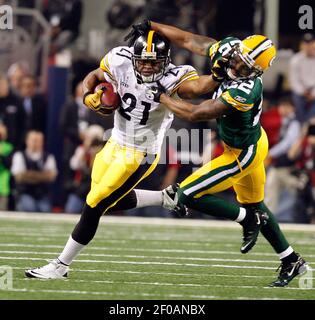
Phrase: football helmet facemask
(151,57)
(251,58)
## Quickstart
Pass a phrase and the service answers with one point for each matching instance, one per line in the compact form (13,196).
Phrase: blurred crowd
(28,172)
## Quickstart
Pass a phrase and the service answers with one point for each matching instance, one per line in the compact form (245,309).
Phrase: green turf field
(133,258)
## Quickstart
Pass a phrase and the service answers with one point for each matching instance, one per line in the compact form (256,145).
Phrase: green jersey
(239,127)
(5,149)
(222,48)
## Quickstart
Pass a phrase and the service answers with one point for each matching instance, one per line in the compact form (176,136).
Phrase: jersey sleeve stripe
(188,79)
(108,73)
(212,49)
(192,75)
(110,76)
(226,98)
(104,63)
(105,68)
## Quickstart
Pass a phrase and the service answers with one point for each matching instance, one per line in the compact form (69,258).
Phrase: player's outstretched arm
(194,88)
(193,42)
(208,109)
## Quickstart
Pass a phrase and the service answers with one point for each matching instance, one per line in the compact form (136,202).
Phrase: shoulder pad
(176,75)
(116,58)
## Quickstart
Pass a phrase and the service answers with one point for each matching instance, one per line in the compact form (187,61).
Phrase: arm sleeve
(213,49)
(176,76)
(106,65)
(50,164)
(292,134)
(76,162)
(294,76)
(18,164)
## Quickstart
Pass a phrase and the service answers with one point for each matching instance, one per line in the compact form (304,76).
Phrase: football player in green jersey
(236,105)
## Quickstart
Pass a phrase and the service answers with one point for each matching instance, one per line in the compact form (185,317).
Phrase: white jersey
(140,122)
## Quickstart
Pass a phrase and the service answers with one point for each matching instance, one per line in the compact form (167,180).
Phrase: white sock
(285,253)
(70,251)
(241,216)
(148,198)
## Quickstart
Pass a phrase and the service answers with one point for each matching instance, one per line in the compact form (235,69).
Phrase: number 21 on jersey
(131,100)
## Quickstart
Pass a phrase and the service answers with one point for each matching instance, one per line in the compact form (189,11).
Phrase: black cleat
(251,228)
(289,271)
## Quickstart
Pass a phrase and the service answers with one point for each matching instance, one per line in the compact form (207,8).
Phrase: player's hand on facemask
(219,68)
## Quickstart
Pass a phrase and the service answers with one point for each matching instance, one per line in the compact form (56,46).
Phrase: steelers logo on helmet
(251,58)
(151,57)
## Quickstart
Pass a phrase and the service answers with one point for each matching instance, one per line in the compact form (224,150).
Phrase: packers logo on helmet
(257,52)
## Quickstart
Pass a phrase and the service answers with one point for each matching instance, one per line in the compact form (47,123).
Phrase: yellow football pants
(242,169)
(116,171)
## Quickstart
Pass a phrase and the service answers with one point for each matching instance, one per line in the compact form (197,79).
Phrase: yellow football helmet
(257,52)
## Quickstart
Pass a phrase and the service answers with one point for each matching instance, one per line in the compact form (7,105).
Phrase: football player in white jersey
(140,125)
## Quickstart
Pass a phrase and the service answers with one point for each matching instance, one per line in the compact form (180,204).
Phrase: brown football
(110,99)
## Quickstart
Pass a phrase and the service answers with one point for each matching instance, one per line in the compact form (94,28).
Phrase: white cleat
(53,270)
(170,201)
(170,198)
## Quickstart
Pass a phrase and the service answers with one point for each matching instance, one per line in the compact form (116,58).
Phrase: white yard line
(128,262)
(145,263)
(166,295)
(104,293)
(167,284)
(140,257)
(101,238)
(141,221)
(241,267)
(198,275)
(130,249)
(144,235)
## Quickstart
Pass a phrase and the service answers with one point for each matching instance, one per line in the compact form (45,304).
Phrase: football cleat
(53,270)
(251,227)
(288,271)
(170,201)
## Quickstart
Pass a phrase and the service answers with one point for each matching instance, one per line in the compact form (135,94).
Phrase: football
(110,99)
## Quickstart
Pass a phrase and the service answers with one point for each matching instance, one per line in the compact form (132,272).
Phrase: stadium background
(59,42)
(133,257)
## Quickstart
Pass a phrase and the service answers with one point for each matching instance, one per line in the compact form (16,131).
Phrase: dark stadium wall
(57,93)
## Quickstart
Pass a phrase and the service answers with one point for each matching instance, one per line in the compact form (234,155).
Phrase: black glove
(218,69)
(181,212)
(156,91)
(138,30)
